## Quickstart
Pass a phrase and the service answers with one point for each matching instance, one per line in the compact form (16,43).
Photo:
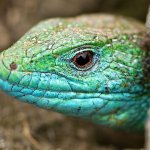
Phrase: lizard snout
(4,71)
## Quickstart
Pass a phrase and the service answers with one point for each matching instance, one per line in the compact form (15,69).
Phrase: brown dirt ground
(25,127)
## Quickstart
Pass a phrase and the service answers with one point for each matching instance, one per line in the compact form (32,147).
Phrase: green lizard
(92,66)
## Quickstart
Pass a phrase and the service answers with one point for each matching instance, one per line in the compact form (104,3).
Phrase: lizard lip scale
(88,66)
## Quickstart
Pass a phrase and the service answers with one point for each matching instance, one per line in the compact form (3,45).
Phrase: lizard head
(93,67)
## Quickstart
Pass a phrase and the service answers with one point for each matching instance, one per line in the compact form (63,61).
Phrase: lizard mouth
(59,96)
(35,85)
(27,87)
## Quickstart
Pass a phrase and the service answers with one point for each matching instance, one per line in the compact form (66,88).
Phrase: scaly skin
(112,90)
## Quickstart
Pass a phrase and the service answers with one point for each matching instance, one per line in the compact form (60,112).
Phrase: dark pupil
(83,59)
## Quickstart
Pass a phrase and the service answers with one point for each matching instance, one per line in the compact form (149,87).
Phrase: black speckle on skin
(106,89)
(79,108)
(31,61)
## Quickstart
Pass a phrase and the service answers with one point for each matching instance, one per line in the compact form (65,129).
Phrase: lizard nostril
(13,66)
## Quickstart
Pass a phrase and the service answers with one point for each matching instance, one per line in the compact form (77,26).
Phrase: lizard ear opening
(13,66)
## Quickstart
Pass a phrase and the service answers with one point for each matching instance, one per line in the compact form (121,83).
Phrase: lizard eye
(83,60)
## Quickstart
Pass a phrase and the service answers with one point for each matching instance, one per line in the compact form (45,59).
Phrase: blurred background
(17,16)
(24,127)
